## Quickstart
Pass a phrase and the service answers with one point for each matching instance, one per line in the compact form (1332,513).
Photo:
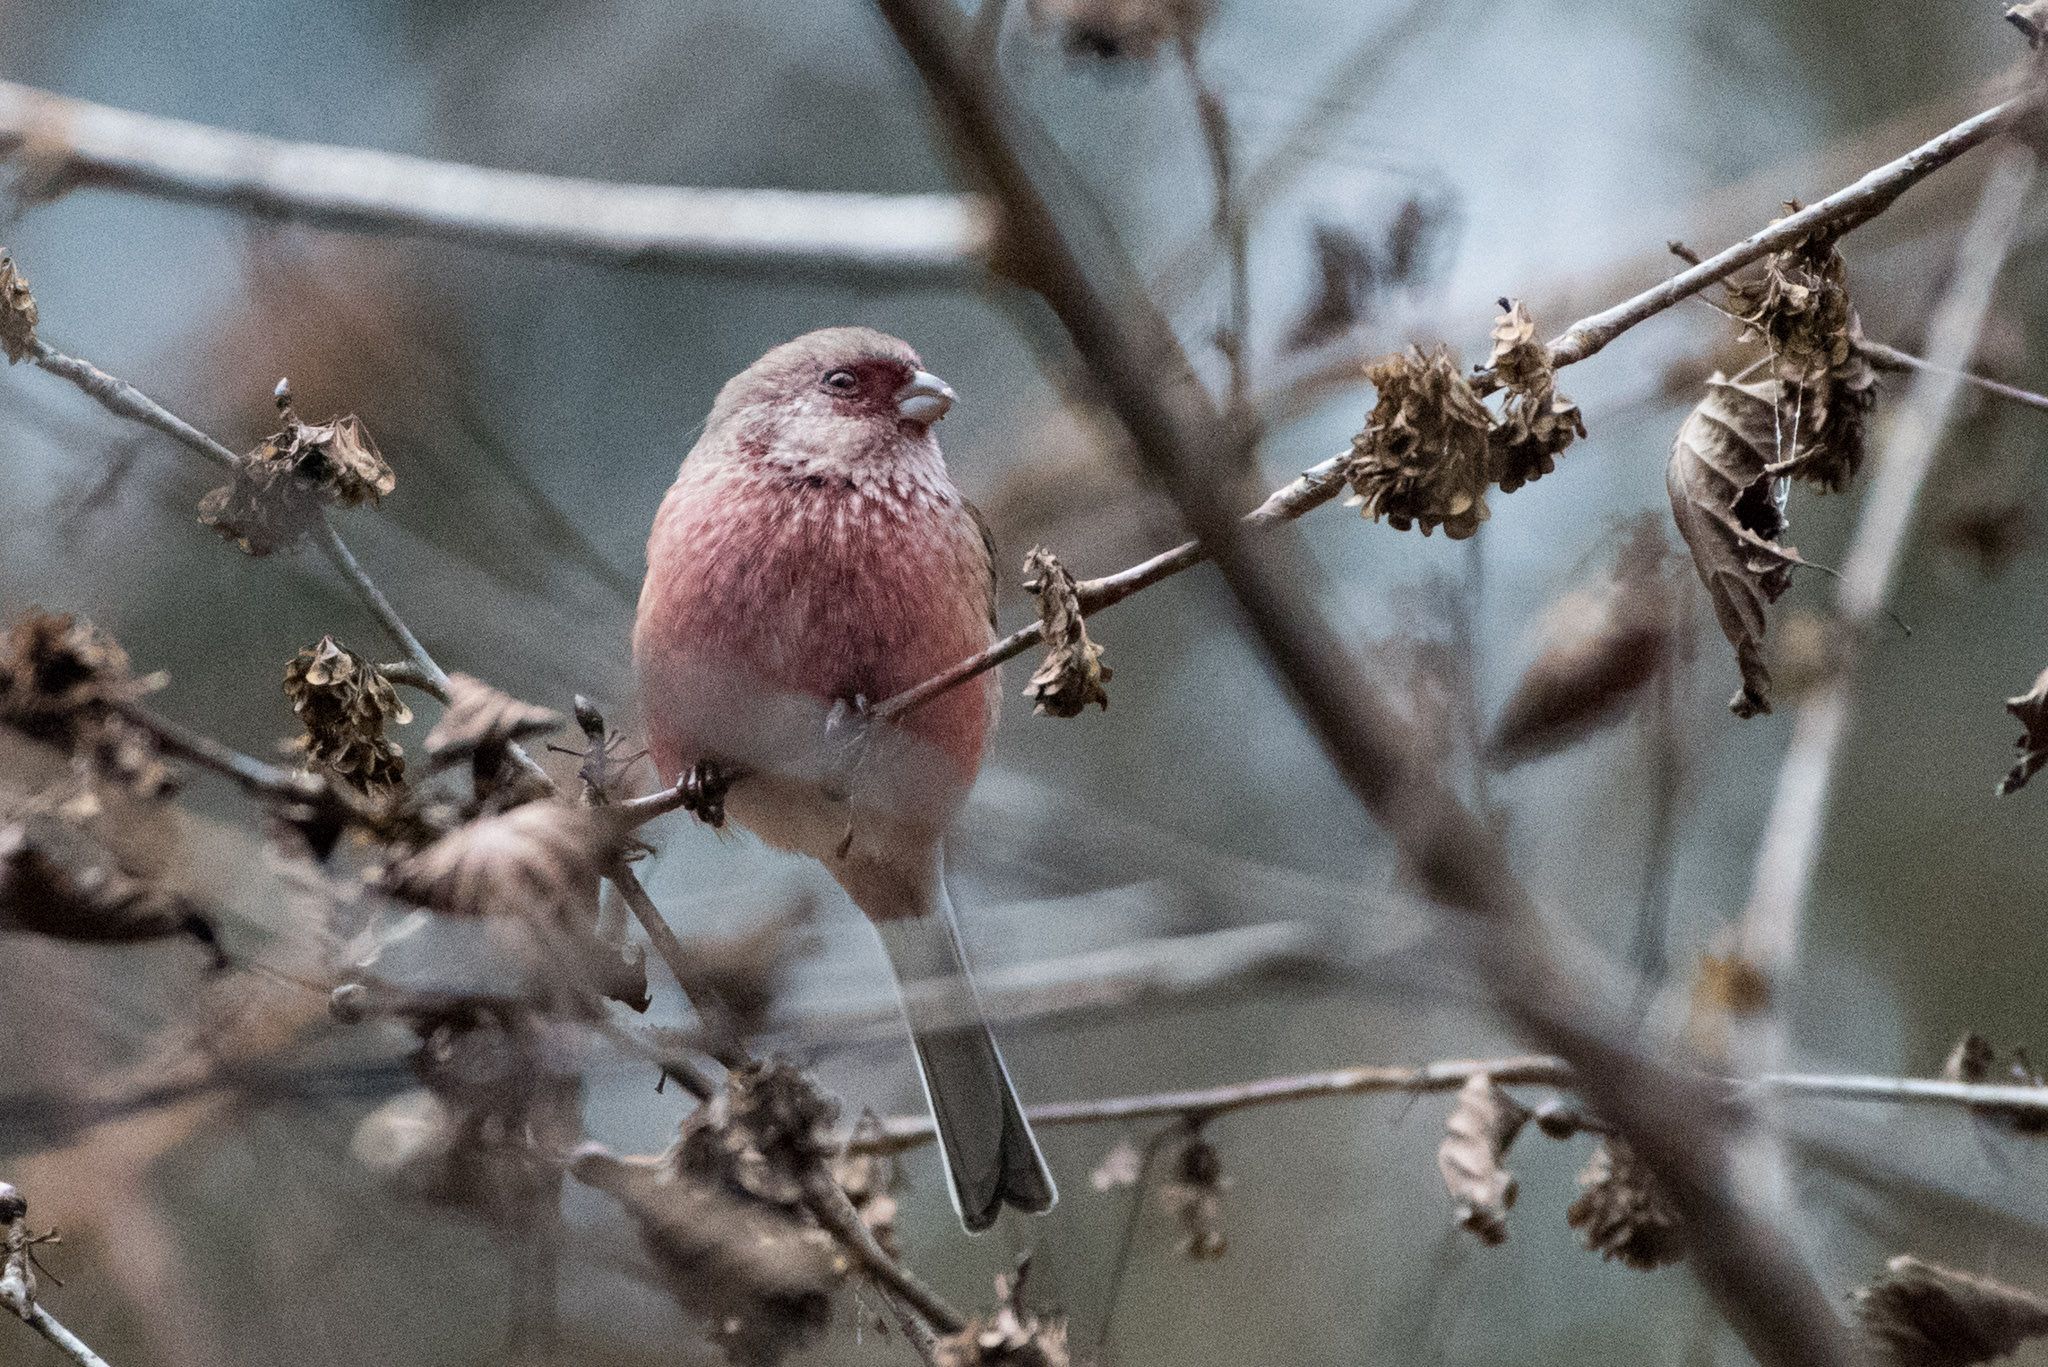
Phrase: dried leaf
(539,860)
(1073,674)
(1424,455)
(721,1213)
(2031,708)
(748,971)
(1920,1314)
(2032,20)
(1623,1211)
(1799,307)
(1537,423)
(1481,1128)
(344,701)
(1723,502)
(56,881)
(1014,1336)
(60,677)
(1118,1168)
(1194,1197)
(1604,647)
(276,497)
(1113,30)
(17,311)
(480,716)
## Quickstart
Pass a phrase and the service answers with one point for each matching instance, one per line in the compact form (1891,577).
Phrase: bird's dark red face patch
(867,386)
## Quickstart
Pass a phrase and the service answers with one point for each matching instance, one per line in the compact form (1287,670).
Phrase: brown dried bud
(2031,708)
(721,1213)
(1624,1211)
(1537,422)
(60,677)
(278,492)
(1424,455)
(1471,1157)
(17,312)
(1920,1314)
(1073,673)
(344,701)
(1111,30)
(1013,1337)
(1194,1196)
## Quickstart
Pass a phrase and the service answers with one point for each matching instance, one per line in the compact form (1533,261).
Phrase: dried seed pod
(1920,1314)
(17,311)
(2031,708)
(1605,646)
(1730,517)
(721,1215)
(1481,1128)
(1624,1212)
(1073,674)
(1798,307)
(1112,30)
(1194,1197)
(60,678)
(275,499)
(1537,423)
(1424,455)
(344,701)
(1014,1336)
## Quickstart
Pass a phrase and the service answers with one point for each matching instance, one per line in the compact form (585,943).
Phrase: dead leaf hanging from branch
(1073,674)
(2031,707)
(1472,1156)
(1921,1314)
(1726,509)
(1606,645)
(17,312)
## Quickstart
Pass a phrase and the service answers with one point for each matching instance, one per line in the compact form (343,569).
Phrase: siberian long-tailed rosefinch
(814,557)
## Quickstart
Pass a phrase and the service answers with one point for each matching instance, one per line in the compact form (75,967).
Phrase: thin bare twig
(1891,358)
(68,1343)
(69,143)
(254,775)
(119,397)
(1769,932)
(828,1203)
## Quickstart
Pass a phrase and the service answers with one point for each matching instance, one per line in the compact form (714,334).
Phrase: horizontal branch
(1891,358)
(70,143)
(901,1133)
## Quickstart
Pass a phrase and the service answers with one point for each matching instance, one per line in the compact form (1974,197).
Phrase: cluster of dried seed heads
(283,487)
(344,702)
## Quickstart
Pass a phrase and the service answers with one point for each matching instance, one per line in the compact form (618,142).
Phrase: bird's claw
(704,788)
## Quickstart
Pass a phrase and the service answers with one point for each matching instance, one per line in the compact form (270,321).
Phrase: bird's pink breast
(813,587)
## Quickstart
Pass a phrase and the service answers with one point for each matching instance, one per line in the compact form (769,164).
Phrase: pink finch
(814,557)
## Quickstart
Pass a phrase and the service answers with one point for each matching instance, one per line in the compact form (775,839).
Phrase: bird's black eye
(841,382)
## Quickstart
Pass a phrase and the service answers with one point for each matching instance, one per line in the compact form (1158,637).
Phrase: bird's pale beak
(925,399)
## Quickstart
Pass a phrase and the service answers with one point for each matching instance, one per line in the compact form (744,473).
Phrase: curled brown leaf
(2031,708)
(1624,1212)
(17,311)
(1920,1314)
(1073,673)
(1727,510)
(1605,645)
(1424,455)
(1481,1128)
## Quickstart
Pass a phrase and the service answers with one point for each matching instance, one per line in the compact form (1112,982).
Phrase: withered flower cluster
(1624,1211)
(1193,1195)
(282,487)
(1014,1336)
(1805,422)
(61,678)
(722,1213)
(1430,447)
(17,311)
(1072,674)
(344,702)
(1111,30)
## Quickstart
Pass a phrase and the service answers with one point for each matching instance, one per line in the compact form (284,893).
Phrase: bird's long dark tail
(991,1157)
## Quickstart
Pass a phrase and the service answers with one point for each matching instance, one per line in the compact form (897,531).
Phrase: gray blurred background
(535,409)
